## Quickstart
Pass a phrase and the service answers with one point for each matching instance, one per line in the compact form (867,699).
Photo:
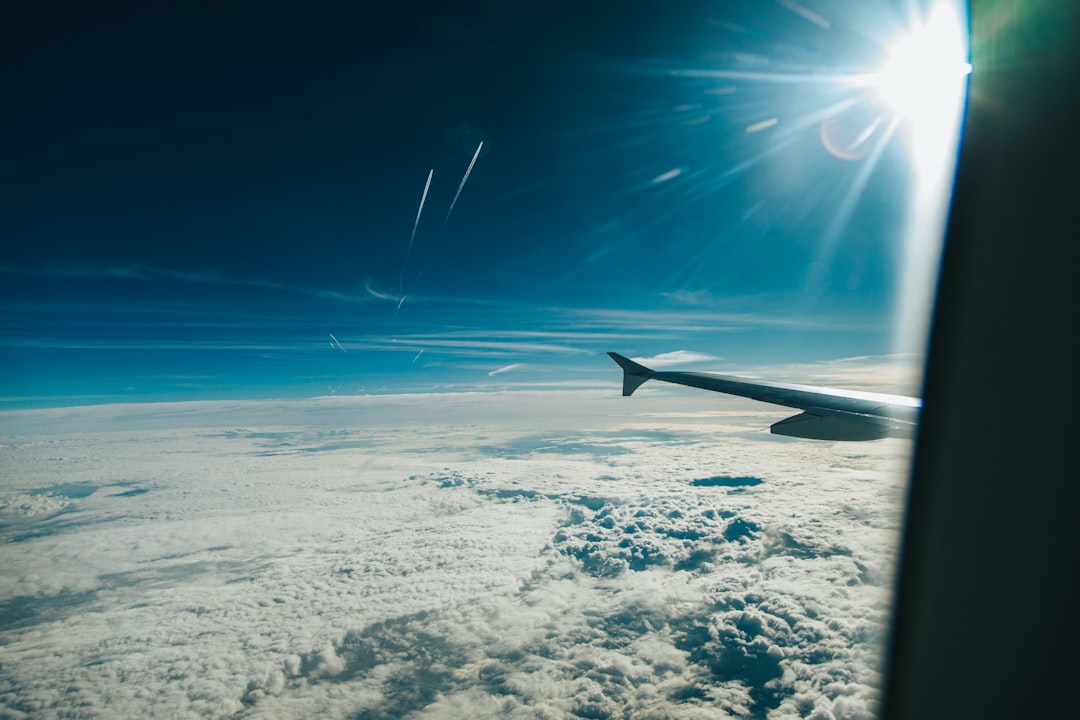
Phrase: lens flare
(923,82)
(924,67)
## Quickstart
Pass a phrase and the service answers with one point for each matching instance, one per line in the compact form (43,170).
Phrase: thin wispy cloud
(802,11)
(669,175)
(431,342)
(149,273)
(899,373)
(378,294)
(694,298)
(711,320)
(676,357)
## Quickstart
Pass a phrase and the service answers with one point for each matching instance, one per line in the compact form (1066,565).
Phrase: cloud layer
(631,565)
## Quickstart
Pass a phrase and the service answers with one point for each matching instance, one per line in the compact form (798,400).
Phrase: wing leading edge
(827,413)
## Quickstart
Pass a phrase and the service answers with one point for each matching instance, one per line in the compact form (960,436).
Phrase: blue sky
(195,197)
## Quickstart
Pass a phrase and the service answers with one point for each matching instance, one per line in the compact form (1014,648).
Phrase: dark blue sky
(195,195)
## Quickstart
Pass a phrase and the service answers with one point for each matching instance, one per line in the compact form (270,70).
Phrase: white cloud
(669,175)
(520,554)
(676,357)
(21,505)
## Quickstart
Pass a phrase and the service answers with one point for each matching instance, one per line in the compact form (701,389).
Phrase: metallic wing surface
(827,413)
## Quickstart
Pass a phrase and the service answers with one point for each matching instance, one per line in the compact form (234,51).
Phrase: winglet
(633,374)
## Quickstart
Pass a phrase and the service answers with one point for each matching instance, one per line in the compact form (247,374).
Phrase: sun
(922,85)
(924,68)
(916,91)
(921,82)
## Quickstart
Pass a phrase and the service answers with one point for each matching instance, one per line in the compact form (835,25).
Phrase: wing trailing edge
(827,413)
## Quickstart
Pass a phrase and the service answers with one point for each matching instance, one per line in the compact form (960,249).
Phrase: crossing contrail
(462,185)
(335,343)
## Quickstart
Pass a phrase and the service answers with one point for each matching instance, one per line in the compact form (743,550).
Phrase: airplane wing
(827,413)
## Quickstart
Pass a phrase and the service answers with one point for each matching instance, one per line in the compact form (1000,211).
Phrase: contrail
(336,344)
(464,179)
(462,185)
(419,210)
(401,299)
(416,224)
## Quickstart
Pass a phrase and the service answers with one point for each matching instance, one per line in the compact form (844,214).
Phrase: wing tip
(634,374)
